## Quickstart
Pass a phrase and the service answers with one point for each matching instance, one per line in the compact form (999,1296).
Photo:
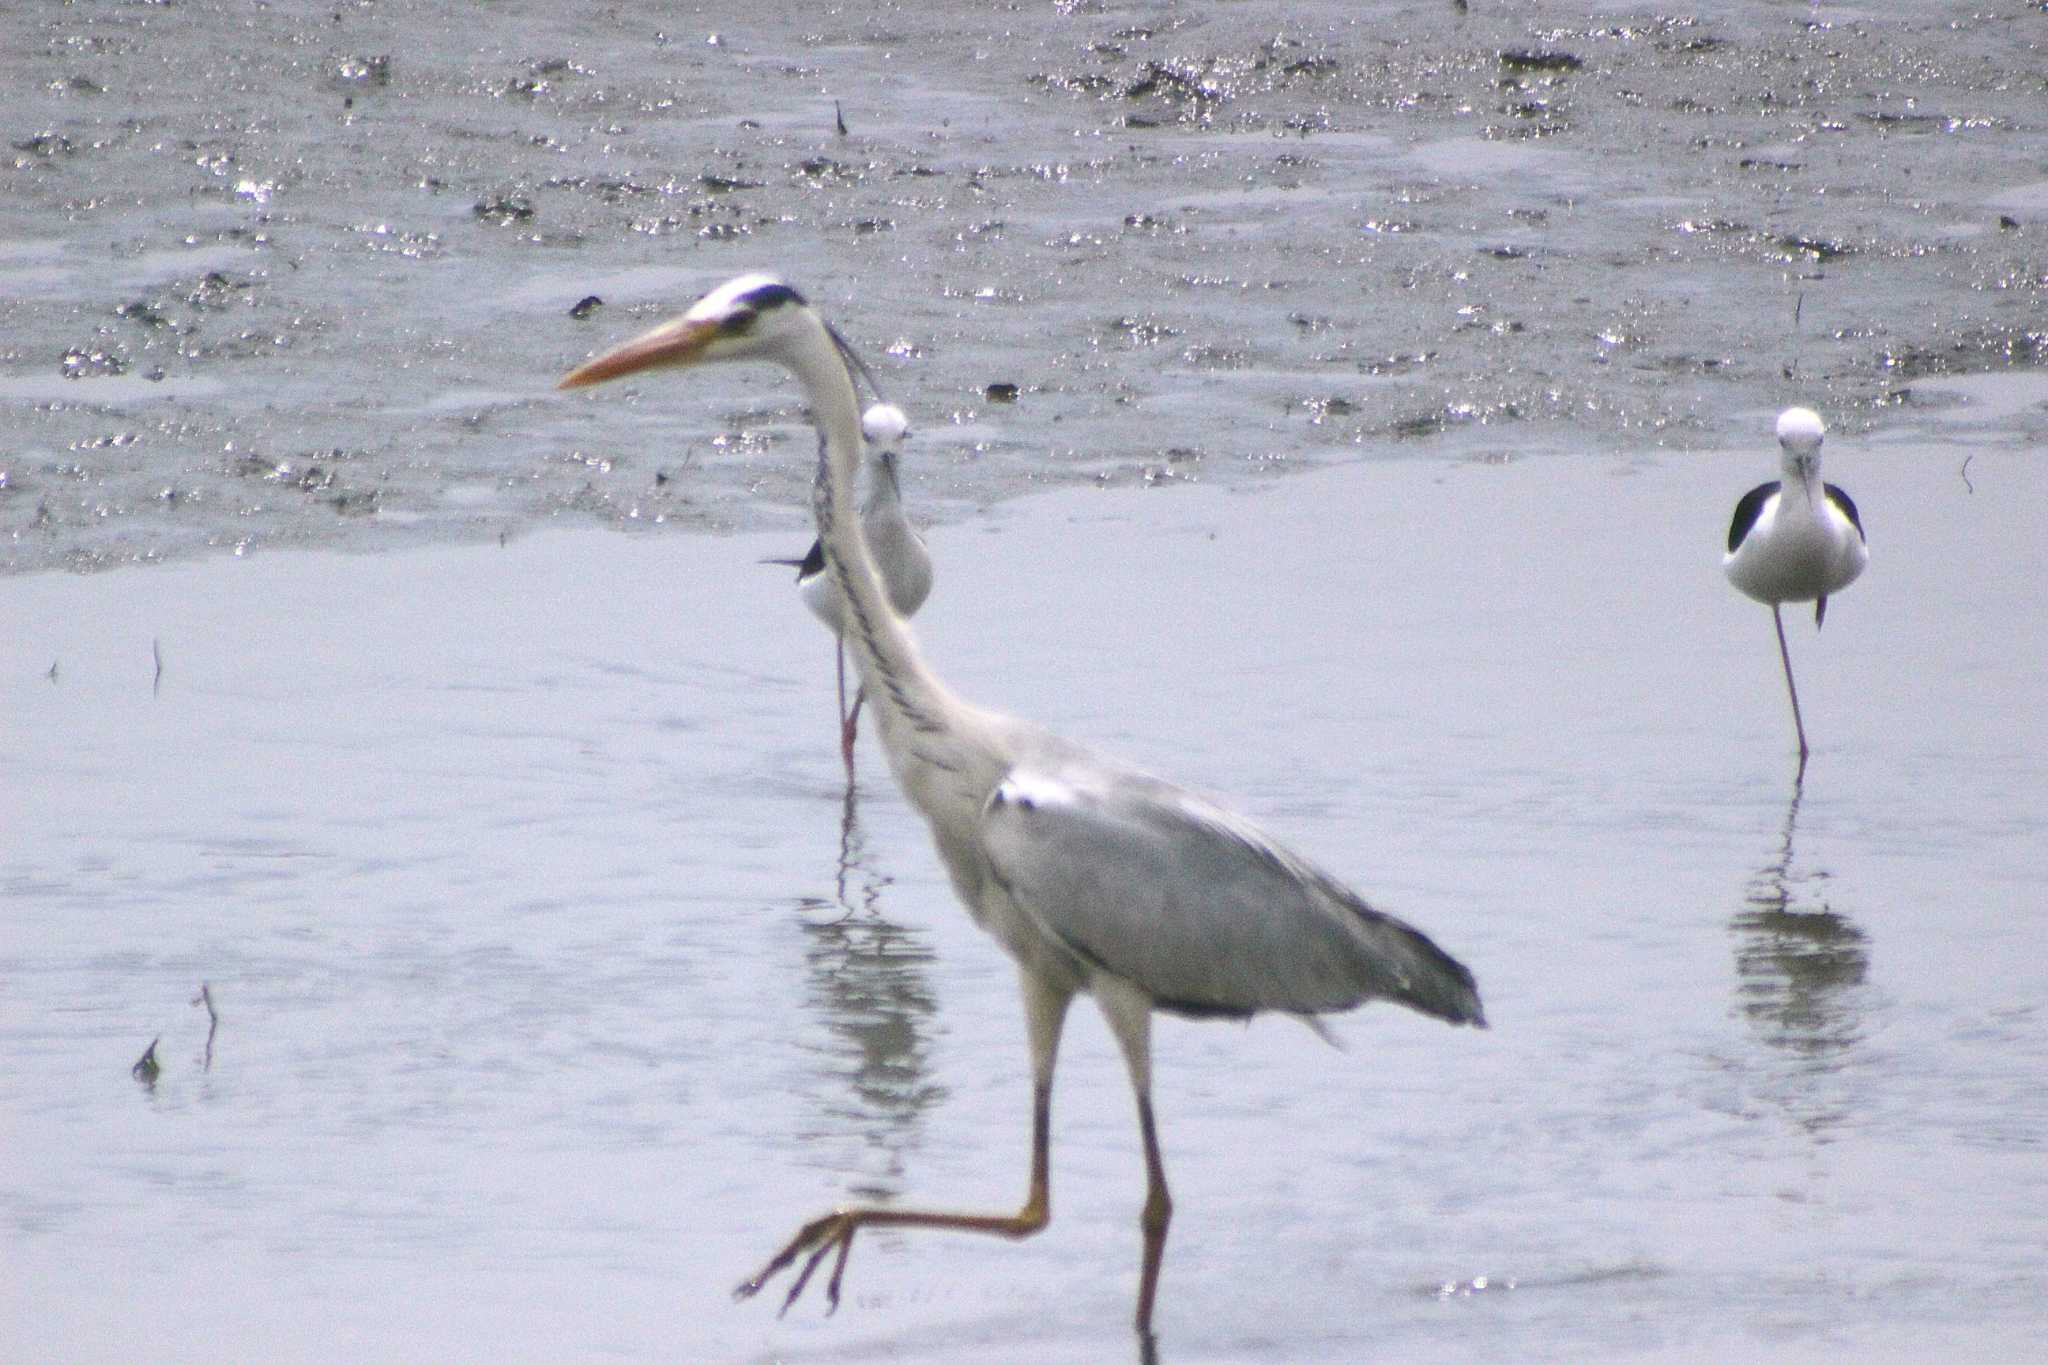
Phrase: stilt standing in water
(1795,540)
(899,551)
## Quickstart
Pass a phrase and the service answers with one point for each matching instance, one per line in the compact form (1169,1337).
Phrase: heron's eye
(739,322)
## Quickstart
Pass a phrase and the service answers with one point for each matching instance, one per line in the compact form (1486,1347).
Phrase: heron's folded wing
(1196,906)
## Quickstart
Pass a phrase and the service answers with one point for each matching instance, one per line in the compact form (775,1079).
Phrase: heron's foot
(814,1241)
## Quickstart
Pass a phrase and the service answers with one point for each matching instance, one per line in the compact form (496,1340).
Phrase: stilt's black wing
(807,568)
(1750,508)
(1848,506)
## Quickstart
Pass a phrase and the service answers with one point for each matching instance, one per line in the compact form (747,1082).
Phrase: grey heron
(1795,539)
(899,551)
(1092,875)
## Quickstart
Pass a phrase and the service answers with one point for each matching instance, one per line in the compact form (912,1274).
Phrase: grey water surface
(1384,375)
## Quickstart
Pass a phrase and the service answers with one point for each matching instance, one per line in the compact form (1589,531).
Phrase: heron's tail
(1448,991)
(1411,970)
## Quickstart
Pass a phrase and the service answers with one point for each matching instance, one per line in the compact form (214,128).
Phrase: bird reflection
(867,983)
(1797,960)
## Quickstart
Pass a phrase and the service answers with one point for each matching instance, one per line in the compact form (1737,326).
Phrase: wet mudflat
(301,275)
(559,978)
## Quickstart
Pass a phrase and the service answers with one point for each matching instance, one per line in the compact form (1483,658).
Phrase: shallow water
(555,987)
(558,977)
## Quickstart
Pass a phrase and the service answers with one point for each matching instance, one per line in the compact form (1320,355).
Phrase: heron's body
(1796,539)
(899,551)
(1092,875)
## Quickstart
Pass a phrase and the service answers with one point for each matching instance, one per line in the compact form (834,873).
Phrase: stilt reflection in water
(867,982)
(1798,961)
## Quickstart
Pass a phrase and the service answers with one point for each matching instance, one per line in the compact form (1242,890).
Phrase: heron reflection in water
(867,980)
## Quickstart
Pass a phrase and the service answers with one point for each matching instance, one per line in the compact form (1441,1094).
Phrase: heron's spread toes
(814,1241)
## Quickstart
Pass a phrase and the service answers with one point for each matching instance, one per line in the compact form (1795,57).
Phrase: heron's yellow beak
(677,343)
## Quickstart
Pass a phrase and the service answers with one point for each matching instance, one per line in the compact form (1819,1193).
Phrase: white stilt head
(1800,430)
(1799,436)
(884,424)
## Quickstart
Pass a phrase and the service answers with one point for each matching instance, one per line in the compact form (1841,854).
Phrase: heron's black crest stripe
(1748,510)
(748,307)
(1848,506)
(770,296)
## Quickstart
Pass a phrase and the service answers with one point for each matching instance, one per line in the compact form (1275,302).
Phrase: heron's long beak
(670,345)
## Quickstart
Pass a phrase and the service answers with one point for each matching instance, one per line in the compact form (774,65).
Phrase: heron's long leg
(1791,690)
(1157,1215)
(846,722)
(1129,1012)
(852,726)
(1046,1008)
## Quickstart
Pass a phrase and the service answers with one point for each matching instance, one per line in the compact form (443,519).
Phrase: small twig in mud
(1964,471)
(145,1067)
(205,997)
(1791,371)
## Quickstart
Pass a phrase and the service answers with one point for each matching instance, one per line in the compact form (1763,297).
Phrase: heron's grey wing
(1206,914)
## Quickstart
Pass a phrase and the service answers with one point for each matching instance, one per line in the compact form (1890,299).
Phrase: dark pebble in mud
(45,145)
(91,363)
(1526,59)
(363,71)
(1818,248)
(504,208)
(143,312)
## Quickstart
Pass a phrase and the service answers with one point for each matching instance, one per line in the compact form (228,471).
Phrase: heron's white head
(741,319)
(1799,435)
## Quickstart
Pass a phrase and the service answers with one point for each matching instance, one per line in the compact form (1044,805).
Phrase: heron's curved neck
(909,696)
